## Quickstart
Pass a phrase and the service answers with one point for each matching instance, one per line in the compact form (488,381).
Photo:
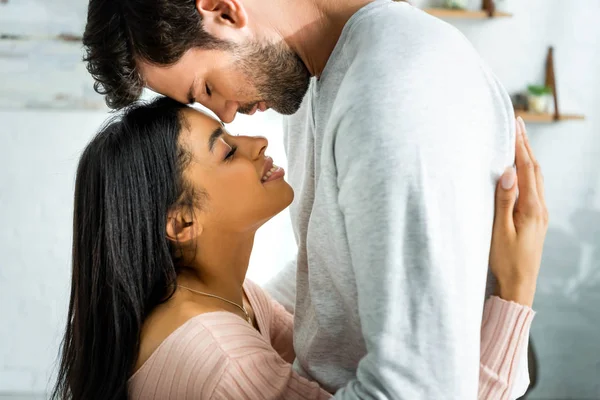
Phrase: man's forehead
(169,81)
(153,75)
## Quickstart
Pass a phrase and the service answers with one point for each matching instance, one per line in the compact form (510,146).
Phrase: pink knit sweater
(218,355)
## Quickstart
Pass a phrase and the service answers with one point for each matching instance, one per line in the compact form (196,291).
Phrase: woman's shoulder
(200,349)
(176,316)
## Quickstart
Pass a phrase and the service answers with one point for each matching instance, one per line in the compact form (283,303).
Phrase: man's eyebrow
(217,133)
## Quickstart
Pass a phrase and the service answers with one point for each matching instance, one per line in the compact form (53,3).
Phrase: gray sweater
(394,156)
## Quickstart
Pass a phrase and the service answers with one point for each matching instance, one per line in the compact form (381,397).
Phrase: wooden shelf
(550,83)
(547,118)
(464,14)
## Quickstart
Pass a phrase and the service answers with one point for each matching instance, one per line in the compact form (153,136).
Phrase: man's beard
(278,75)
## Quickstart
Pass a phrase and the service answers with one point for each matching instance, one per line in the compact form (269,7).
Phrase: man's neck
(312,28)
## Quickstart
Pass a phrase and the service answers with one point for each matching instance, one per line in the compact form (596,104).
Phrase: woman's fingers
(539,177)
(530,203)
(528,196)
(506,195)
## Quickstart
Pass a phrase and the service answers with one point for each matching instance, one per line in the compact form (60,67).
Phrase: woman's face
(244,187)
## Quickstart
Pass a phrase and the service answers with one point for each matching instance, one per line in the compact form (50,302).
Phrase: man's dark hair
(120,32)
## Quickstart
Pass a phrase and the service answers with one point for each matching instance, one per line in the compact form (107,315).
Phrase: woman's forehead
(198,129)
(200,121)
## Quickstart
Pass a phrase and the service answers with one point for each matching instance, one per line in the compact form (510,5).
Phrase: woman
(166,208)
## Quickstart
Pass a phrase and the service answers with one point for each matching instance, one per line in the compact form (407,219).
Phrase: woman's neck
(220,265)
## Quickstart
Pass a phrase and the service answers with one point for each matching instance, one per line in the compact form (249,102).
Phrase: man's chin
(286,111)
(289,108)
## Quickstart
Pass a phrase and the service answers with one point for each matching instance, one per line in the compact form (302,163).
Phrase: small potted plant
(538,98)
(456,4)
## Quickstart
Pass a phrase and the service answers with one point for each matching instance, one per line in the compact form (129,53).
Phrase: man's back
(393,157)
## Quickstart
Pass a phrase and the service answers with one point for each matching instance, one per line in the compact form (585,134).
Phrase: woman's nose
(252,147)
(260,144)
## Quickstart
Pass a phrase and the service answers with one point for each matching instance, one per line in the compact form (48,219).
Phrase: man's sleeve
(416,188)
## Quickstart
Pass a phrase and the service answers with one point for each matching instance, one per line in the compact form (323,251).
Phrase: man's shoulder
(401,48)
(399,30)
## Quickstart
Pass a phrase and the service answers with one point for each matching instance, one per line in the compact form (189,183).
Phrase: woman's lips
(273,174)
(268,165)
(271,171)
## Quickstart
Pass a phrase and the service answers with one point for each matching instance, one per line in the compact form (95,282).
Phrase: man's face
(244,78)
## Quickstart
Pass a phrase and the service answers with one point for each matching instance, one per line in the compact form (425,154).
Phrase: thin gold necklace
(221,298)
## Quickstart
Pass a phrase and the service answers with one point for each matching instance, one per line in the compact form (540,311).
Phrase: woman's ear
(182,227)
(218,13)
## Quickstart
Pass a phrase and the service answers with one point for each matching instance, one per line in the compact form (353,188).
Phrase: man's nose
(227,112)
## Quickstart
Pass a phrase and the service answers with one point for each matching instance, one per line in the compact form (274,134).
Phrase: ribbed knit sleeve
(504,336)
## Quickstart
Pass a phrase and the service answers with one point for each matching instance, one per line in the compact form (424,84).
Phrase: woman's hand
(520,225)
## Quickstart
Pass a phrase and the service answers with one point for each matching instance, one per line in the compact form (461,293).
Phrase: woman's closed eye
(231,153)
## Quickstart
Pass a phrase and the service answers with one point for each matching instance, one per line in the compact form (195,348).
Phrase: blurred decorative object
(490,7)
(537,110)
(538,98)
(456,4)
(457,9)
(519,101)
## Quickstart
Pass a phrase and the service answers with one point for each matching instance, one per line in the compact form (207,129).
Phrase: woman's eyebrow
(217,133)
(191,98)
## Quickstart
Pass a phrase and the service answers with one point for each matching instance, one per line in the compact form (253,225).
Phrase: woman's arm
(280,321)
(520,227)
(504,337)
(263,374)
(282,287)
(282,332)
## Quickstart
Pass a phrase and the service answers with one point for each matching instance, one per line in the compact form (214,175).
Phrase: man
(396,136)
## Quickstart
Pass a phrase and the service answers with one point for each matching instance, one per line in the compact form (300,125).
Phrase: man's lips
(253,110)
(259,106)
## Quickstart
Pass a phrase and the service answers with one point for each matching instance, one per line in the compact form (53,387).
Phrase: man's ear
(182,227)
(219,13)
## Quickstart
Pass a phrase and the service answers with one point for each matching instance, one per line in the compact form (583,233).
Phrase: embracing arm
(281,329)
(417,197)
(410,343)
(419,260)
(504,336)
(519,230)
(263,374)
(520,227)
(282,287)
